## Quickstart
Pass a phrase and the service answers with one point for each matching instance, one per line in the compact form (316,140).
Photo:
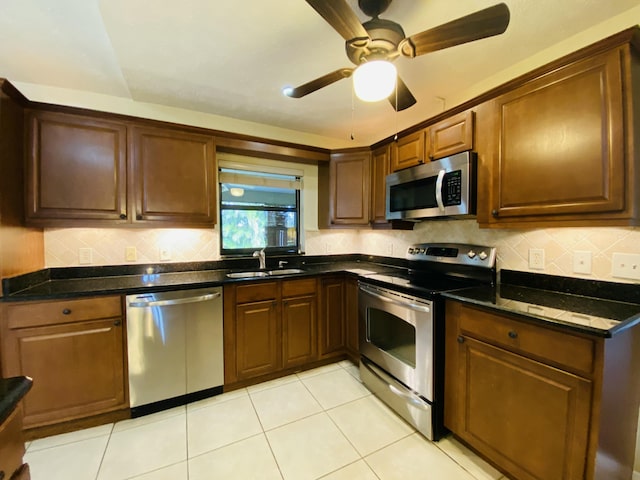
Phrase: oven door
(396,333)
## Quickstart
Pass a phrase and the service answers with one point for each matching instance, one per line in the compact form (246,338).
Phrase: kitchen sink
(282,271)
(247,274)
(285,271)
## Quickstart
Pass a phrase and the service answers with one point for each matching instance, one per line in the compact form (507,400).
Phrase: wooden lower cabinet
(256,338)
(332,316)
(299,344)
(351,318)
(539,403)
(12,448)
(73,350)
(531,417)
(269,327)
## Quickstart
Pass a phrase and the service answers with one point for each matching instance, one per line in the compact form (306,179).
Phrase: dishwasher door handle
(176,301)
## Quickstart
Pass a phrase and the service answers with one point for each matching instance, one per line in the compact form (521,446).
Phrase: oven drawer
(551,346)
(415,410)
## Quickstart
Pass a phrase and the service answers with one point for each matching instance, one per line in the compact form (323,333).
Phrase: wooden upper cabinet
(450,136)
(349,188)
(173,177)
(380,165)
(76,170)
(447,137)
(559,154)
(408,151)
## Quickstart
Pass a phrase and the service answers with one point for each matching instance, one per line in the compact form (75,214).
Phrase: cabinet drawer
(570,351)
(254,292)
(294,288)
(35,314)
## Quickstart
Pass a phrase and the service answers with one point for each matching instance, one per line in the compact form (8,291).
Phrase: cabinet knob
(123,216)
(138,217)
(285,302)
(495,212)
(117,323)
(66,311)
(460,339)
(1,474)
(513,334)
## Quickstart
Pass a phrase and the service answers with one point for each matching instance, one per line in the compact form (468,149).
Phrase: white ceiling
(231,58)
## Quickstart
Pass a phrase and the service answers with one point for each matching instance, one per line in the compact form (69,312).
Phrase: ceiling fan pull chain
(395,137)
(353,112)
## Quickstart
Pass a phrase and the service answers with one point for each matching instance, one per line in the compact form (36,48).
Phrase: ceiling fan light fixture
(374,81)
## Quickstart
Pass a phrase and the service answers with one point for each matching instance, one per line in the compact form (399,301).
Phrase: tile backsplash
(108,246)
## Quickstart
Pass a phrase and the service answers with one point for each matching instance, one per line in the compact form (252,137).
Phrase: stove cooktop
(440,267)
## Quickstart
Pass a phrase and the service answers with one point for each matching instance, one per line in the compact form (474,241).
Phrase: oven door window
(393,335)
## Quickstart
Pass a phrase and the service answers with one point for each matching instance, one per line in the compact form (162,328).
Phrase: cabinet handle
(285,303)
(117,323)
(460,339)
(513,334)
(123,216)
(1,474)
(138,217)
(66,311)
(495,213)
(274,303)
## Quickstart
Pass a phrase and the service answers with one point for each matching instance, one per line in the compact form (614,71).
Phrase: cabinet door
(332,325)
(349,185)
(408,151)
(351,316)
(77,369)
(76,170)
(380,164)
(257,339)
(299,337)
(451,136)
(529,418)
(173,177)
(11,444)
(560,149)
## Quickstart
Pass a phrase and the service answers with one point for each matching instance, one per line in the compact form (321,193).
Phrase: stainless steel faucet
(262,258)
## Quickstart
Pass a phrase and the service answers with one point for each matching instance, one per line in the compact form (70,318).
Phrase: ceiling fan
(376,43)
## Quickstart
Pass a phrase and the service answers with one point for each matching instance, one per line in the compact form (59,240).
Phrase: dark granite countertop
(77,281)
(565,303)
(12,390)
(586,306)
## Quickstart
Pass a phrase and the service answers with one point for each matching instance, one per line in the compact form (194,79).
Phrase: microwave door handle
(439,190)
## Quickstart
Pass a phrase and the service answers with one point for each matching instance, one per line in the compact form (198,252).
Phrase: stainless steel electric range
(402,325)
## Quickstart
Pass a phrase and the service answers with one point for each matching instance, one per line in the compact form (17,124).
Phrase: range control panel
(458,253)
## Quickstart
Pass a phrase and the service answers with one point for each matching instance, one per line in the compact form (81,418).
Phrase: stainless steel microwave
(442,188)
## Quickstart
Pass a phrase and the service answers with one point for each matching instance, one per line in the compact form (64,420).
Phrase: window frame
(243,252)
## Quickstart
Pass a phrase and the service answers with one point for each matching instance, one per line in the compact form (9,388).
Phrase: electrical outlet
(130,254)
(328,248)
(536,258)
(582,262)
(390,249)
(165,254)
(626,265)
(85,256)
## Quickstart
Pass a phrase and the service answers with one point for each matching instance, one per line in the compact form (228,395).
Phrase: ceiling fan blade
(485,23)
(318,83)
(342,18)
(405,97)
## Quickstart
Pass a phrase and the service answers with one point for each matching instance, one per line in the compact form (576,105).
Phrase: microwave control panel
(452,188)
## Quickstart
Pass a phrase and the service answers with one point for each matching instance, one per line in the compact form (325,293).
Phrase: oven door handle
(413,306)
(416,402)
(439,190)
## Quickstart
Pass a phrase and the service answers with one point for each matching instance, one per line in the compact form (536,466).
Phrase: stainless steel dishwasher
(175,348)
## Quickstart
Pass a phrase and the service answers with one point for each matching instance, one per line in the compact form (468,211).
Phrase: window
(258,210)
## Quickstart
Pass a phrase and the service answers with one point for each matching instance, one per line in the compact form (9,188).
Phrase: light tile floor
(319,424)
